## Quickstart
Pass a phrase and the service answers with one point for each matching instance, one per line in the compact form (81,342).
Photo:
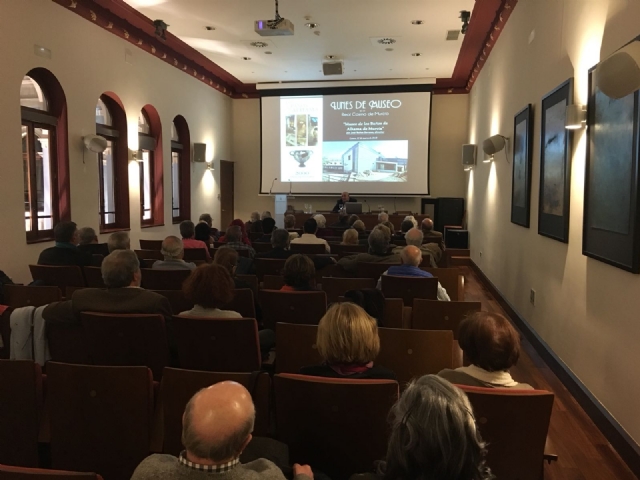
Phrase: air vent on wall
(453,34)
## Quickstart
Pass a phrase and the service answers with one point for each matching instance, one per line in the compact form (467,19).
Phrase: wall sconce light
(575,117)
(210,166)
(134,156)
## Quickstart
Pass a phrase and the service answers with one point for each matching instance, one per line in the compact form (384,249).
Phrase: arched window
(150,162)
(45,154)
(111,123)
(180,170)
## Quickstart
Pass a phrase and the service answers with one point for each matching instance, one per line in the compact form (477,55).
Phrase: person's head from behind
(66,232)
(412,219)
(227,258)
(255,216)
(353,218)
(257,226)
(268,224)
(379,239)
(187,229)
(280,238)
(320,220)
(206,218)
(119,241)
(371,299)
(411,255)
(120,269)
(172,248)
(358,226)
(390,226)
(203,232)
(414,237)
(234,234)
(289,221)
(87,235)
(345,196)
(427,225)
(209,286)
(383,217)
(350,237)
(406,225)
(434,435)
(310,226)
(347,335)
(265,214)
(489,341)
(299,272)
(217,423)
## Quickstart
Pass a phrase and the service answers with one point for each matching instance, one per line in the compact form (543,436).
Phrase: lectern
(279,209)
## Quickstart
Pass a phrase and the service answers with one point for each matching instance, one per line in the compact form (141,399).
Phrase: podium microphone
(368,206)
(290,186)
(274,181)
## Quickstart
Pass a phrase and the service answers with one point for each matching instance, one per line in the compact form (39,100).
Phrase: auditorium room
(319,239)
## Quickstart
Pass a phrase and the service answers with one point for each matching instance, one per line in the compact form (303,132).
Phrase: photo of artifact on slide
(367,161)
(313,131)
(290,132)
(301,123)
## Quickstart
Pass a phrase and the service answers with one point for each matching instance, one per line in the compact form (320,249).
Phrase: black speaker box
(455,238)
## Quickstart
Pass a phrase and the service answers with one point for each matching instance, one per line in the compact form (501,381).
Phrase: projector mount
(277,20)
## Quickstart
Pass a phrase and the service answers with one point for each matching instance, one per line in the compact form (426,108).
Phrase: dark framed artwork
(555,164)
(521,176)
(610,228)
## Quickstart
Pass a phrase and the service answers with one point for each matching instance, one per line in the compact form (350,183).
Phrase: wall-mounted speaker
(469,154)
(494,144)
(199,152)
(619,75)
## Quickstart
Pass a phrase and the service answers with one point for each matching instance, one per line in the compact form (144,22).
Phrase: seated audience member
(289,225)
(323,231)
(216,428)
(65,251)
(343,220)
(89,242)
(414,237)
(119,241)
(412,219)
(405,226)
(256,227)
(203,233)
(310,228)
(359,227)
(430,235)
(280,243)
(492,346)
(371,299)
(208,219)
(268,225)
(299,274)
(410,258)
(433,436)
(353,218)
(348,343)
(265,214)
(239,223)
(255,216)
(173,253)
(234,240)
(350,237)
(378,251)
(188,233)
(234,264)
(390,226)
(383,217)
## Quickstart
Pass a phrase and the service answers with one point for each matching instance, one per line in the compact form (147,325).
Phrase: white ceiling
(346,28)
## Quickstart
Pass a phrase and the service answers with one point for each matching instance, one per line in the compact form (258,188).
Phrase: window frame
(183,148)
(152,143)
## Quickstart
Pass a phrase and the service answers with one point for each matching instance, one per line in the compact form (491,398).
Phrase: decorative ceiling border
(117,17)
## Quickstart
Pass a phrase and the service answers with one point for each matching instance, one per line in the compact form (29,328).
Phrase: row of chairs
(86,409)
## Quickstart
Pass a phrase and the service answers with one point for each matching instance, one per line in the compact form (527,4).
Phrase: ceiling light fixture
(246,58)
(389,49)
(387,41)
(311,25)
(417,22)
(268,53)
(465,15)
(259,44)
(210,28)
(416,54)
(161,29)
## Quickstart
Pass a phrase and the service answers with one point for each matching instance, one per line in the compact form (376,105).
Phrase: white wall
(585,310)
(448,133)
(88,61)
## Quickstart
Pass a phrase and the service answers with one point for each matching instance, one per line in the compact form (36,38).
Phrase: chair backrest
(158,279)
(126,340)
(98,415)
(217,344)
(178,386)
(272,282)
(149,254)
(435,315)
(69,291)
(252,281)
(308,248)
(151,244)
(339,426)
(451,280)
(268,266)
(296,347)
(392,316)
(292,307)
(408,288)
(243,253)
(243,302)
(20,412)
(195,255)
(93,277)
(5,332)
(178,301)
(515,423)
(24,473)
(345,250)
(17,296)
(413,353)
(67,343)
(336,287)
(59,276)
(262,247)
(372,269)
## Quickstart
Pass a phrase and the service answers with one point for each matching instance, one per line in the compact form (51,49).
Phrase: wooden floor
(583,452)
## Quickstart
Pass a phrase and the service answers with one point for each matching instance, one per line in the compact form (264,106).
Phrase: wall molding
(617,436)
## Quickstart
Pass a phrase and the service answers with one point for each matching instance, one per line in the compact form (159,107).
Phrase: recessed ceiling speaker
(95,143)
(619,74)
(469,154)
(494,144)
(199,152)
(332,68)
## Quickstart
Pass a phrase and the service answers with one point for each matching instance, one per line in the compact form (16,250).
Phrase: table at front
(370,219)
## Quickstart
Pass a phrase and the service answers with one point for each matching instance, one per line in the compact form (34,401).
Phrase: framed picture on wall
(611,228)
(555,164)
(521,176)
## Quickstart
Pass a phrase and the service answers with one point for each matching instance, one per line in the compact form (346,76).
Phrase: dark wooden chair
(157,279)
(435,315)
(20,412)
(262,247)
(400,242)
(296,347)
(178,301)
(292,307)
(345,250)
(268,266)
(335,287)
(58,276)
(243,302)
(313,412)
(393,313)
(5,333)
(272,282)
(372,269)
(98,414)
(252,281)
(195,255)
(179,385)
(126,340)
(451,280)
(413,353)
(243,253)
(17,296)
(308,248)
(151,245)
(67,344)
(69,291)
(408,288)
(217,344)
(517,445)
(24,473)
(93,277)
(149,254)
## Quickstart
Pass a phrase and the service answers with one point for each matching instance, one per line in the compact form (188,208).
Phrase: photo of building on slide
(366,161)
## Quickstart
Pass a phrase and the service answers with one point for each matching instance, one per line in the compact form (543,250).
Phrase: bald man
(430,235)
(216,428)
(173,252)
(410,258)
(415,237)
(344,198)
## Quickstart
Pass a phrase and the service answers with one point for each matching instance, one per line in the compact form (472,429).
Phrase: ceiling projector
(274,28)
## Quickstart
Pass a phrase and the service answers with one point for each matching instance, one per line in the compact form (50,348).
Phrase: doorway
(226,193)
